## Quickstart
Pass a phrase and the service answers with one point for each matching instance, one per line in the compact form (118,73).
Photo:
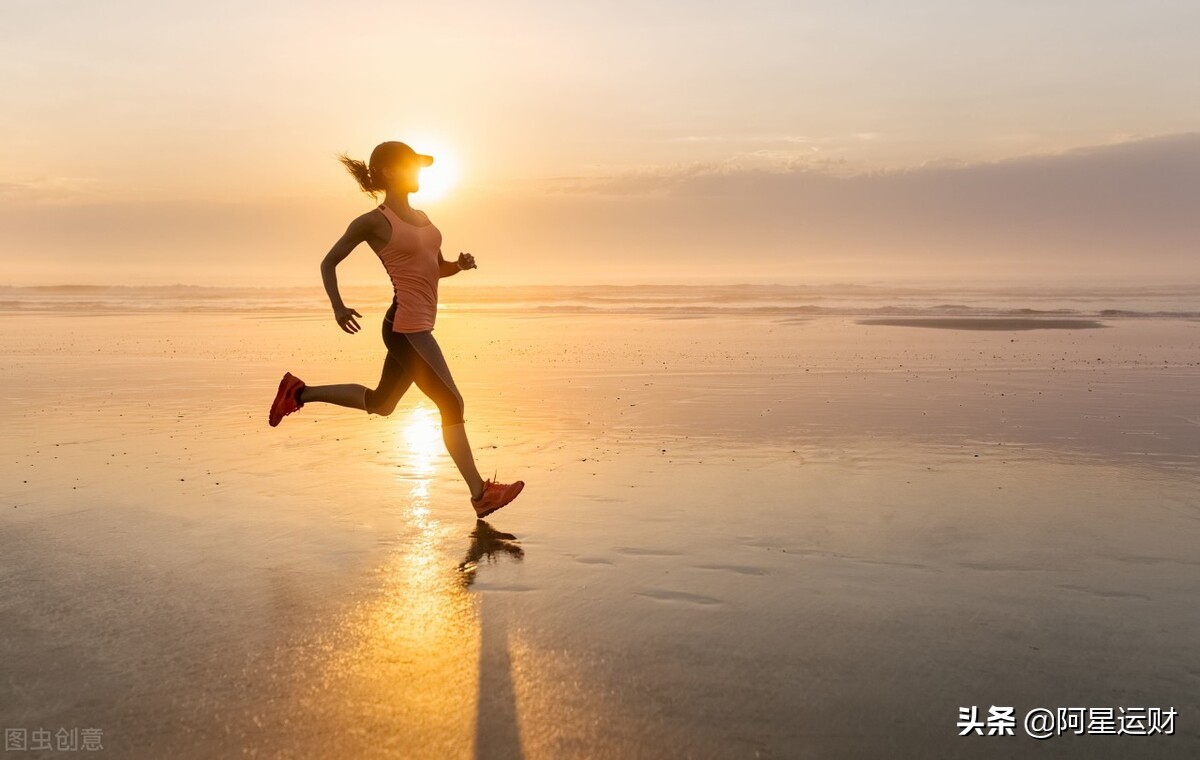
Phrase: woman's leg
(433,377)
(347,394)
(393,382)
(455,438)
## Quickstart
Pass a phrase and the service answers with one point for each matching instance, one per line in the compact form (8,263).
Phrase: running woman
(409,245)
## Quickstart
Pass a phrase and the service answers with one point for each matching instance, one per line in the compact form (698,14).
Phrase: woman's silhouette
(410,248)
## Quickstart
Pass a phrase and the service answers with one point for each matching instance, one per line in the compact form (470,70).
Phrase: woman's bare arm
(356,233)
(450,268)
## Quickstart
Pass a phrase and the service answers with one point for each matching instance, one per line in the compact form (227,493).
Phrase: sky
(163,142)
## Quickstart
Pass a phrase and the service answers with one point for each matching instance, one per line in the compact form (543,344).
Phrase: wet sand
(741,537)
(989,323)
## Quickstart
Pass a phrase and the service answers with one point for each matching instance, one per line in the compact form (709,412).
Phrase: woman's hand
(465,261)
(345,319)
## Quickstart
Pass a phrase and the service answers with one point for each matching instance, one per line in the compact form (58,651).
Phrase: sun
(438,180)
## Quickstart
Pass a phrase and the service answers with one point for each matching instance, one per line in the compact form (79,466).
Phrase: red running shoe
(495,495)
(287,398)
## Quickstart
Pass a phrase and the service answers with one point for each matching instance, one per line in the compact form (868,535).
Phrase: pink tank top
(411,260)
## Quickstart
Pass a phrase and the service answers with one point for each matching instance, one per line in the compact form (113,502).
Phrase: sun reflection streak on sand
(427,666)
(420,443)
(410,671)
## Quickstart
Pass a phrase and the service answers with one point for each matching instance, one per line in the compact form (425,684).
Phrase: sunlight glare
(423,437)
(438,180)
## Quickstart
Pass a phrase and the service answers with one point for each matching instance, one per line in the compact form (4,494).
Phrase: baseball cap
(393,152)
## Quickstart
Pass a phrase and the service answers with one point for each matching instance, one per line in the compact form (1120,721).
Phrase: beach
(748,530)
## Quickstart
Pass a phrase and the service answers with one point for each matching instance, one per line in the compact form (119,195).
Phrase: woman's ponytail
(362,173)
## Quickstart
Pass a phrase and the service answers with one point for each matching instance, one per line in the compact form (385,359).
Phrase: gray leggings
(414,358)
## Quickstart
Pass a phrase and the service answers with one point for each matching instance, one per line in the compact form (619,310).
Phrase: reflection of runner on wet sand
(487,542)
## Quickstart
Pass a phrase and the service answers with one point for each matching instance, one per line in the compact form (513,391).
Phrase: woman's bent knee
(376,403)
(452,413)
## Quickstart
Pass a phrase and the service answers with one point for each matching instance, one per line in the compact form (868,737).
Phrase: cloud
(678,178)
(1148,163)
(1126,210)
(49,189)
(746,139)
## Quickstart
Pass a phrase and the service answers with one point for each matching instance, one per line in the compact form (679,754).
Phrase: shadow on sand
(497,729)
